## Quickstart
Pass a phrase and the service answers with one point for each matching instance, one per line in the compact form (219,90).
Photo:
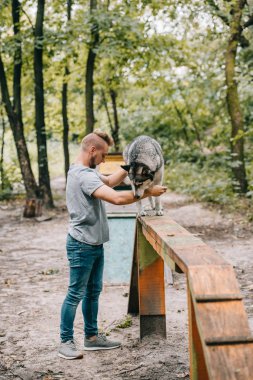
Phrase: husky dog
(145,166)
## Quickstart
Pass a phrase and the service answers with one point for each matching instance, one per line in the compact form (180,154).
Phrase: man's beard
(92,163)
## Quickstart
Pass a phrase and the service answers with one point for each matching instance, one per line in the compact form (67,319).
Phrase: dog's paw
(149,208)
(143,213)
(159,212)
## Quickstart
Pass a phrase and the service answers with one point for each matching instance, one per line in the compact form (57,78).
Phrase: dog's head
(141,178)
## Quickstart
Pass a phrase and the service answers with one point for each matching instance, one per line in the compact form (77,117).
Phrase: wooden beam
(230,362)
(220,342)
(180,246)
(222,319)
(198,369)
(215,280)
(133,299)
(151,288)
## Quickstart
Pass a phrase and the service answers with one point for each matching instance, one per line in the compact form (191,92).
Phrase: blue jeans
(86,280)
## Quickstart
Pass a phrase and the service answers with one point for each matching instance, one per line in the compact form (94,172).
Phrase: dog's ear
(126,167)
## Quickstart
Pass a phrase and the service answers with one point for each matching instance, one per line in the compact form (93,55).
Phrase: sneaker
(100,343)
(68,350)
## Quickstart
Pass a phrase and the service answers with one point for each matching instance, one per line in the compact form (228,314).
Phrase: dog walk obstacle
(220,342)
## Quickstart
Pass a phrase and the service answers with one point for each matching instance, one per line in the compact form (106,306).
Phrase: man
(88,230)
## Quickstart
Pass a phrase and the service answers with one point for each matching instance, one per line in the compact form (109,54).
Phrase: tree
(14,111)
(115,131)
(65,105)
(44,179)
(233,102)
(2,149)
(114,126)
(233,19)
(90,66)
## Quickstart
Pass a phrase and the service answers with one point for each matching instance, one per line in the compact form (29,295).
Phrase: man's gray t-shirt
(88,221)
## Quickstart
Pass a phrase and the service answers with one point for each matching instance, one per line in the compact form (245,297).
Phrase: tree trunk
(107,110)
(2,152)
(65,106)
(44,179)
(240,184)
(19,139)
(17,61)
(90,65)
(31,187)
(182,121)
(65,122)
(115,133)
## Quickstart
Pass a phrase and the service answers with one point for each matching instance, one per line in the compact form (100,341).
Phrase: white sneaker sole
(70,357)
(100,348)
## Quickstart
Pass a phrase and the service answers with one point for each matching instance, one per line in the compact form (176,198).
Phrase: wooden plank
(147,254)
(162,251)
(151,288)
(198,369)
(185,250)
(230,362)
(133,299)
(221,319)
(151,285)
(217,318)
(186,256)
(213,280)
(190,256)
(167,228)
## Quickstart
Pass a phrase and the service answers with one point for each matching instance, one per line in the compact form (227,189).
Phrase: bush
(206,183)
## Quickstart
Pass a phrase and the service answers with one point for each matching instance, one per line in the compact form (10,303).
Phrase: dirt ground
(33,283)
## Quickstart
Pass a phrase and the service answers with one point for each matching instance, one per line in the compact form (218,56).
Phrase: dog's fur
(145,166)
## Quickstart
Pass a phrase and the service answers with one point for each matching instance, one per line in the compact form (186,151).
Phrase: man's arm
(114,179)
(125,197)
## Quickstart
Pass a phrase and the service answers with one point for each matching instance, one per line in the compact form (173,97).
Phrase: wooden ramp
(220,343)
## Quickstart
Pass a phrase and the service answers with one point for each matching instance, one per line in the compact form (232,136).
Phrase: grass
(127,322)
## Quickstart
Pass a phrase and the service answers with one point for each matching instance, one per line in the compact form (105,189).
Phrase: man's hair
(94,138)
(108,139)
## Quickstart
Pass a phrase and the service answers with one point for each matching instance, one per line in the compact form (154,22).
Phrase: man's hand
(155,191)
(125,197)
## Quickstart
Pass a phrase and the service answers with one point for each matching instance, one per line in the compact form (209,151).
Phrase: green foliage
(206,183)
(10,183)
(210,182)
(165,60)
(5,190)
(127,322)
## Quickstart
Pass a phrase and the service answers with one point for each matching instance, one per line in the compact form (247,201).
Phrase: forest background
(179,71)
